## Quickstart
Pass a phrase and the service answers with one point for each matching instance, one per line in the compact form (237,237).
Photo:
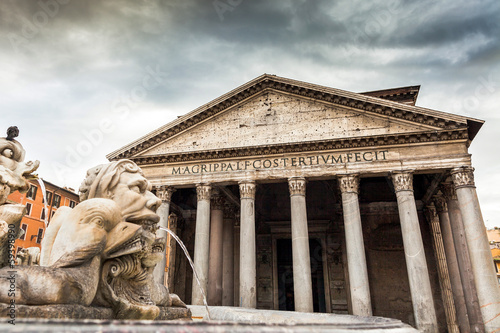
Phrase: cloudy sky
(69,67)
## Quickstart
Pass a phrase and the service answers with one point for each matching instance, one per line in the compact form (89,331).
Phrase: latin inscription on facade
(282,162)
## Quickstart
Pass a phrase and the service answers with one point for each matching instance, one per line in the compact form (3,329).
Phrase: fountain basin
(301,319)
(225,319)
(78,312)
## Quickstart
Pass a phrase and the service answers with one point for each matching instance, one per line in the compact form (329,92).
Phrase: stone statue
(13,173)
(28,257)
(12,168)
(99,255)
(80,239)
(127,283)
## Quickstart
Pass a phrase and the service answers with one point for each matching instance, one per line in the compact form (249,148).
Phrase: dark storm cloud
(191,38)
(106,45)
(68,63)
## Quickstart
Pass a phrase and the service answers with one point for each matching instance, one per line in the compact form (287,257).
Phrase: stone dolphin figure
(76,242)
(13,169)
(14,173)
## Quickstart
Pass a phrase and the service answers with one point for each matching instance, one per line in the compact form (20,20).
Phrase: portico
(293,196)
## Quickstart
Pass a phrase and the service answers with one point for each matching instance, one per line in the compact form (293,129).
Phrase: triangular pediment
(276,118)
(272,111)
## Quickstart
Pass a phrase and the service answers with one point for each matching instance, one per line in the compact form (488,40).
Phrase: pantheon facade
(295,196)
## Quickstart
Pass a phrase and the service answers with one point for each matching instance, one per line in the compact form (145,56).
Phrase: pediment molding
(344,143)
(368,104)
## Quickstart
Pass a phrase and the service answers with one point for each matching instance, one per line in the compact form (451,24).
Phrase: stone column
(451,261)
(201,243)
(236,257)
(355,247)
(214,288)
(164,193)
(418,274)
(248,263)
(480,254)
(302,282)
(228,257)
(462,250)
(444,276)
(172,246)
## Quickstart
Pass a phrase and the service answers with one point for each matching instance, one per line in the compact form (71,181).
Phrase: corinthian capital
(297,186)
(229,211)
(247,189)
(349,183)
(463,177)
(164,193)
(217,202)
(203,191)
(440,203)
(402,180)
(448,190)
(172,221)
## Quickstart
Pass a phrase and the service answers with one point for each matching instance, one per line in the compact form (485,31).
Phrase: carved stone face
(137,203)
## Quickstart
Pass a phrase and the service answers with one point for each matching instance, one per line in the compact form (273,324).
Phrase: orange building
(39,213)
(494,239)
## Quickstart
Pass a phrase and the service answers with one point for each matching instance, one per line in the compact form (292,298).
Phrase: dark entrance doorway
(285,274)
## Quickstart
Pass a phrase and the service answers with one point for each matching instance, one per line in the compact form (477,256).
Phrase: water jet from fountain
(183,247)
(44,194)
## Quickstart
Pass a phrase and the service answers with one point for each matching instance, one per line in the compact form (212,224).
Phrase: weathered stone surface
(78,239)
(79,234)
(59,311)
(75,311)
(355,249)
(13,173)
(312,320)
(10,219)
(38,326)
(302,283)
(101,252)
(174,313)
(248,259)
(13,169)
(480,256)
(127,283)
(285,119)
(164,193)
(418,276)
(202,243)
(309,163)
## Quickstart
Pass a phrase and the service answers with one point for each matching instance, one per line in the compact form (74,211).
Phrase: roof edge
(180,119)
(361,97)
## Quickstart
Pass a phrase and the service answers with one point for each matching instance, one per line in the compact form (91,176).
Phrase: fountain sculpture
(13,173)
(96,260)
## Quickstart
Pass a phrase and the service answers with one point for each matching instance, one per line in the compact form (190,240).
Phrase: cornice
(343,143)
(339,97)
